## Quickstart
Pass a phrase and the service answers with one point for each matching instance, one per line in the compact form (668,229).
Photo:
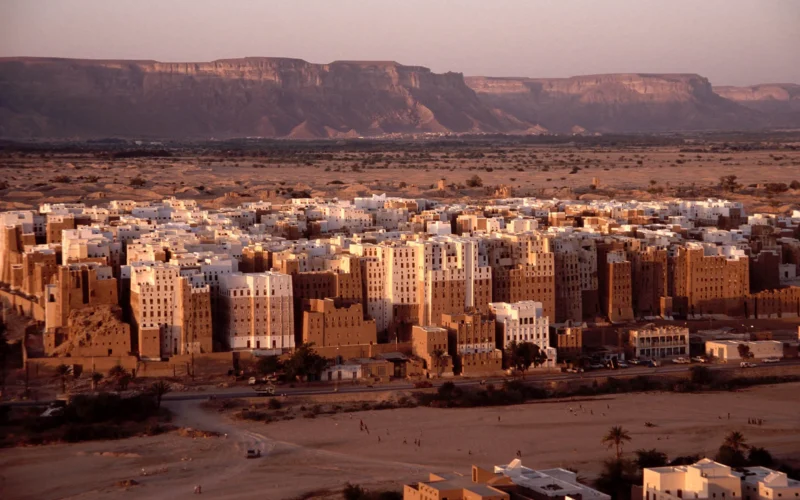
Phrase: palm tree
(117,371)
(736,441)
(159,389)
(120,376)
(96,378)
(616,438)
(62,372)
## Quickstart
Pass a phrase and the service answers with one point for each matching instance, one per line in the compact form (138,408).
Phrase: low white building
(709,480)
(344,371)
(728,350)
(548,483)
(760,483)
(705,479)
(652,342)
(439,228)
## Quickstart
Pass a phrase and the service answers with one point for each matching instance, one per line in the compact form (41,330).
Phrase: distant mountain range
(276,97)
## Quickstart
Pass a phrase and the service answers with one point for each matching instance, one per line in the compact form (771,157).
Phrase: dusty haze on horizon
(732,42)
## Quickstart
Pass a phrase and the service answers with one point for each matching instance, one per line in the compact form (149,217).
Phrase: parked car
(597,366)
(681,361)
(622,364)
(747,364)
(265,390)
(635,362)
(574,369)
(771,360)
(52,411)
(700,359)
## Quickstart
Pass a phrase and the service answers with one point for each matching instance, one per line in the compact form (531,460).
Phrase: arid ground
(320,454)
(224,178)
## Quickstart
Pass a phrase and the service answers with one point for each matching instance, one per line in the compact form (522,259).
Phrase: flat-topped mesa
(284,97)
(780,102)
(254,96)
(763,92)
(603,88)
(626,102)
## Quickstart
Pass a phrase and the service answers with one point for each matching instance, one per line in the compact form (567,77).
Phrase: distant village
(392,287)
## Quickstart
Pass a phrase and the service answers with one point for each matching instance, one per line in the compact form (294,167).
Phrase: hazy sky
(729,41)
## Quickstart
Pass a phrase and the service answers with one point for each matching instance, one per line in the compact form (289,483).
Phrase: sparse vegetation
(138,181)
(88,417)
(474,181)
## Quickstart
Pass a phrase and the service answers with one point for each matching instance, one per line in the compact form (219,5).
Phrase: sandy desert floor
(542,171)
(321,454)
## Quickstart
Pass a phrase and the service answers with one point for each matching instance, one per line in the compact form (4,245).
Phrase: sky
(732,42)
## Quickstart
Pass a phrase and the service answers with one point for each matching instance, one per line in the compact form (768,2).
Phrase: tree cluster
(304,364)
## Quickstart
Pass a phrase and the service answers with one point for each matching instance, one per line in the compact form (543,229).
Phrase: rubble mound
(89,324)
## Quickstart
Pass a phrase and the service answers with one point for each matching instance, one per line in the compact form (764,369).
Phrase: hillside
(779,102)
(291,98)
(616,103)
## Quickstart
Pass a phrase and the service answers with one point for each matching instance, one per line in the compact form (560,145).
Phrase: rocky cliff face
(233,98)
(778,102)
(615,103)
(274,97)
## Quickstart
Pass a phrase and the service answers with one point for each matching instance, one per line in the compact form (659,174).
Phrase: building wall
(569,305)
(709,284)
(326,324)
(648,280)
(568,341)
(527,282)
(11,250)
(39,269)
(618,294)
(170,313)
(77,286)
(471,342)
(660,342)
(764,271)
(257,310)
(524,322)
(426,343)
(56,224)
(96,331)
(729,351)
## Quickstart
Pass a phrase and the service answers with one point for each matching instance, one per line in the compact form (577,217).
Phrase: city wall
(205,365)
(588,379)
(22,305)
(364,350)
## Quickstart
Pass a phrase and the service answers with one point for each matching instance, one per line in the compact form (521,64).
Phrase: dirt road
(320,454)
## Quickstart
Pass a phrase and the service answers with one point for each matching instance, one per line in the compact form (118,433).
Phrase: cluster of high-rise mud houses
(397,285)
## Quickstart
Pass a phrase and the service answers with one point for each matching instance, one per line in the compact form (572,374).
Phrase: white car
(681,361)
(747,364)
(771,360)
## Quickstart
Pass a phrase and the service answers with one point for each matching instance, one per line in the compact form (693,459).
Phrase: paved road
(347,388)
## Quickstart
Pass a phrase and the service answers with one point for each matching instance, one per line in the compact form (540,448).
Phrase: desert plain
(314,457)
(218,176)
